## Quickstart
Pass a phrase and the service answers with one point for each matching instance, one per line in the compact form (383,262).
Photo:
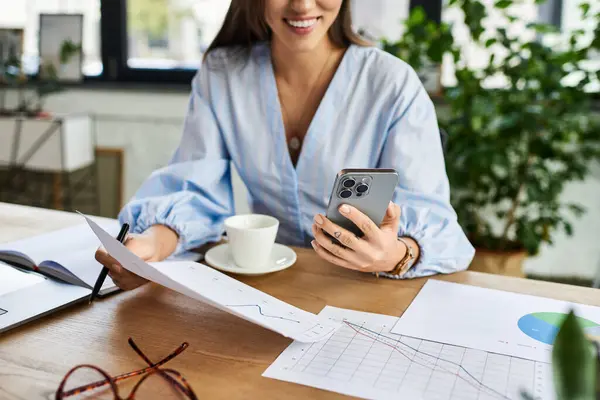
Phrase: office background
(137,65)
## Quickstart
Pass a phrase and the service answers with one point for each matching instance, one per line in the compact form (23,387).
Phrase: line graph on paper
(364,359)
(260,311)
(260,307)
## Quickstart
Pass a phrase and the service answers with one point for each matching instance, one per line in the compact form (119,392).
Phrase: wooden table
(227,355)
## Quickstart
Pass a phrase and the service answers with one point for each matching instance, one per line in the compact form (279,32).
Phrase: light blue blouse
(375,114)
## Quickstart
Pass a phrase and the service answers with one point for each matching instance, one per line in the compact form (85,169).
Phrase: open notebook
(57,269)
(66,255)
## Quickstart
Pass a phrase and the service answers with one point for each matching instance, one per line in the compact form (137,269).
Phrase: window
(571,16)
(477,56)
(571,20)
(379,19)
(167,34)
(23,17)
(564,13)
(163,41)
(157,41)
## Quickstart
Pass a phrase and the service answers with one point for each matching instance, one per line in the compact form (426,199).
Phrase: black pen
(100,281)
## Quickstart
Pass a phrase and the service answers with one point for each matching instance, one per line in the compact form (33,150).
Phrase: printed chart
(543,326)
(491,320)
(203,283)
(364,359)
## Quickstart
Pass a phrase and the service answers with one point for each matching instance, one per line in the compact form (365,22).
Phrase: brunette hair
(245,25)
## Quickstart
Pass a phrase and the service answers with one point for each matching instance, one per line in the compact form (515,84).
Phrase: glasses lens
(82,377)
(162,386)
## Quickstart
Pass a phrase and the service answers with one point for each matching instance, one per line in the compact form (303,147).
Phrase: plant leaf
(490,42)
(577,209)
(573,362)
(585,9)
(568,229)
(503,4)
(526,396)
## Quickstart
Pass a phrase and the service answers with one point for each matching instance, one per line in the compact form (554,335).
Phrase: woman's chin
(304,43)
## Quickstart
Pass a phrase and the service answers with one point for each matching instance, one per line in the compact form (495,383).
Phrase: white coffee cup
(251,239)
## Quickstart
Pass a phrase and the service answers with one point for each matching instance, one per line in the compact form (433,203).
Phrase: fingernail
(391,204)
(344,209)
(319,220)
(313,244)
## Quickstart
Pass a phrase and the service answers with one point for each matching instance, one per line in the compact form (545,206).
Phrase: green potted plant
(511,150)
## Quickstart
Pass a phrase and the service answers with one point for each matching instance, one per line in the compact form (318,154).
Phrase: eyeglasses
(172,377)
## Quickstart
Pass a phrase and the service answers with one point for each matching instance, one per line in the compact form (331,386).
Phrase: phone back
(368,190)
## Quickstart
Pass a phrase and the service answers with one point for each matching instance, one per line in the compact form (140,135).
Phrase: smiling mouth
(303,23)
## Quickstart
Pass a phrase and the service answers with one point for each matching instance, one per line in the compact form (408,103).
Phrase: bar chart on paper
(364,359)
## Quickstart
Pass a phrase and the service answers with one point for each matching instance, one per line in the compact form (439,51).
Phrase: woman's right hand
(156,244)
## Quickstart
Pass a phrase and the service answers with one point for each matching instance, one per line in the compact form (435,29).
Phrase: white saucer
(220,258)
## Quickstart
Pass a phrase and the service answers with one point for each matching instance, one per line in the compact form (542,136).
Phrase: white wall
(150,139)
(579,255)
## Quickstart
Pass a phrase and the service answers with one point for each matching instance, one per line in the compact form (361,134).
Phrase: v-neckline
(324,105)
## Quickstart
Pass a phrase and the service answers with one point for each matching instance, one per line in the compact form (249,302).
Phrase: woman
(290,95)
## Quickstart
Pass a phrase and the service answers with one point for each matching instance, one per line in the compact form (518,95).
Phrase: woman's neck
(302,68)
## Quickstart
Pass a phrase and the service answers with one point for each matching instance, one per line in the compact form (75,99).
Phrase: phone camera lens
(362,188)
(348,183)
(345,194)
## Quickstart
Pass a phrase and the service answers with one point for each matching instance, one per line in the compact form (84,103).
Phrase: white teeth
(302,24)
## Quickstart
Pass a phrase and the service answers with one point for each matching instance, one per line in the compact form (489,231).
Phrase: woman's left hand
(379,250)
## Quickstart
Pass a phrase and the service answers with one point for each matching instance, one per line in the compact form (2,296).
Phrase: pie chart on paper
(543,326)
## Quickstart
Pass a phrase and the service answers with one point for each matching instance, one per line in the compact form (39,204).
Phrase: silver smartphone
(368,190)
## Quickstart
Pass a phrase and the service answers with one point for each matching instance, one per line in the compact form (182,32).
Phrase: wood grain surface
(227,355)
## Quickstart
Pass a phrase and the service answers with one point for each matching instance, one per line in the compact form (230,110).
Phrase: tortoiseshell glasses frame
(169,375)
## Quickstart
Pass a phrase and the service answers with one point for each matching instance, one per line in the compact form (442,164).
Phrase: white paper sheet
(203,283)
(364,359)
(487,319)
(11,279)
